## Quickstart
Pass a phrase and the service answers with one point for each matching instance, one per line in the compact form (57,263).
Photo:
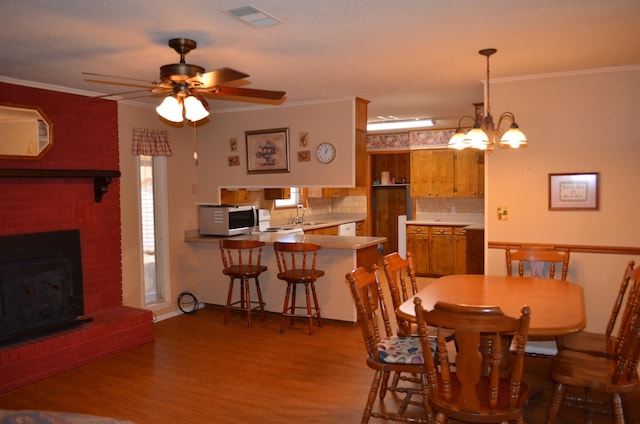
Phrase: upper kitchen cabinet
(447,173)
(468,173)
(363,162)
(432,173)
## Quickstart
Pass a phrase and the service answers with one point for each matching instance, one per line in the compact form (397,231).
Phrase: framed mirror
(25,131)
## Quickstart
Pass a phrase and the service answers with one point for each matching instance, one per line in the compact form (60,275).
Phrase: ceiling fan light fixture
(170,109)
(194,109)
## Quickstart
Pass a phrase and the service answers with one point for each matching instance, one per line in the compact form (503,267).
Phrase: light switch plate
(502,213)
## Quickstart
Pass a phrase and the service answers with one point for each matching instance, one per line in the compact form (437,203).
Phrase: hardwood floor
(197,370)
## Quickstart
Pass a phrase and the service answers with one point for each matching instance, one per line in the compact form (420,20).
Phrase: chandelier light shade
(483,135)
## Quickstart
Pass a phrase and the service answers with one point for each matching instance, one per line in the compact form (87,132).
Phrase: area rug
(47,417)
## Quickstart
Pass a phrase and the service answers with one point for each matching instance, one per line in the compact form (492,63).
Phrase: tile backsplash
(449,205)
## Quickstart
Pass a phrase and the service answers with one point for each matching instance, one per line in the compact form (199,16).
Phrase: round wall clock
(326,152)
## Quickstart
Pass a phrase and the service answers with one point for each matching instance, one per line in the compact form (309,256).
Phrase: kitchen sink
(313,223)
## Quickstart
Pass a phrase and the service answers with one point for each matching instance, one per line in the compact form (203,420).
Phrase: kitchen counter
(314,222)
(338,256)
(468,221)
(327,242)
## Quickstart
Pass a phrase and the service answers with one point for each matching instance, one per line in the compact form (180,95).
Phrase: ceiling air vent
(253,16)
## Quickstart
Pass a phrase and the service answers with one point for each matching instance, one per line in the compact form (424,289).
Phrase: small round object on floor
(187,302)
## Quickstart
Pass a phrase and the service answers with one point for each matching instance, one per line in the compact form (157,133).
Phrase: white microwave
(226,220)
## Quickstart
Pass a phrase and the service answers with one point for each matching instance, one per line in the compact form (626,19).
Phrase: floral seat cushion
(400,350)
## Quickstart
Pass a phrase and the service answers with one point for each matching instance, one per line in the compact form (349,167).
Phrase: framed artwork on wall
(574,191)
(267,151)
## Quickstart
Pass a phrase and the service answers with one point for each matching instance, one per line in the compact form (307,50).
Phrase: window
(294,199)
(153,206)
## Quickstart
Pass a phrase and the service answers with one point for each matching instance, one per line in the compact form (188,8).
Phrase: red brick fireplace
(85,138)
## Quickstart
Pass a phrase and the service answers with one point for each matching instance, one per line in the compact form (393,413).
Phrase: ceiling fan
(186,85)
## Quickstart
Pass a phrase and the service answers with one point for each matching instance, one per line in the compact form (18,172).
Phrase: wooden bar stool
(293,259)
(244,251)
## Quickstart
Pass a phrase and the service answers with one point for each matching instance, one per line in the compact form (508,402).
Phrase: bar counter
(339,255)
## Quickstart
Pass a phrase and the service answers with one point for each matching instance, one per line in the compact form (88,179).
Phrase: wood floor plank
(197,370)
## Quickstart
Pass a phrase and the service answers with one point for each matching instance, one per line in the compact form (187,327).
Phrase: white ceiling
(410,58)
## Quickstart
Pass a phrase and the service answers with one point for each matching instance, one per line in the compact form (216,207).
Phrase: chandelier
(483,135)
(182,100)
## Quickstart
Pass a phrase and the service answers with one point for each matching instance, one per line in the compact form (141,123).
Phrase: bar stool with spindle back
(299,273)
(245,269)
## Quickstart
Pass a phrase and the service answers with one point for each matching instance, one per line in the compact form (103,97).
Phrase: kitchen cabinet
(389,201)
(438,249)
(325,231)
(475,251)
(235,197)
(469,173)
(432,173)
(447,173)
(276,193)
(360,228)
(418,246)
(343,191)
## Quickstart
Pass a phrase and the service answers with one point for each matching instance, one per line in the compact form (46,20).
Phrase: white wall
(580,122)
(181,177)
(330,121)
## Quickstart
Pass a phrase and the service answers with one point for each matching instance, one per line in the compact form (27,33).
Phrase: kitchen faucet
(299,219)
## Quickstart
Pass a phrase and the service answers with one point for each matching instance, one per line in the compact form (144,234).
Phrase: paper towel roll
(384,178)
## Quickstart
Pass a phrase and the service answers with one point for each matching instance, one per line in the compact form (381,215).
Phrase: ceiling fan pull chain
(195,143)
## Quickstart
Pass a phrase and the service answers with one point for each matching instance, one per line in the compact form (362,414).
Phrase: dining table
(557,306)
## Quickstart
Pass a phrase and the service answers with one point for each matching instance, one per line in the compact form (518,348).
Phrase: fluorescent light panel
(399,125)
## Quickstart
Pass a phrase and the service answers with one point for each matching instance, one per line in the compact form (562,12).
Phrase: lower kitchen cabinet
(418,246)
(443,250)
(325,231)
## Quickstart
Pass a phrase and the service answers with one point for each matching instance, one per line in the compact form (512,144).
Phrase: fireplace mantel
(101,178)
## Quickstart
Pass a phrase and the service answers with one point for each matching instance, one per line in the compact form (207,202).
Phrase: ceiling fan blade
(217,77)
(246,92)
(117,76)
(120,94)
(122,84)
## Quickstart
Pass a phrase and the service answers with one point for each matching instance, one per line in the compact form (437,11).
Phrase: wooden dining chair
(611,377)
(401,279)
(468,386)
(386,353)
(297,266)
(241,260)
(538,258)
(606,344)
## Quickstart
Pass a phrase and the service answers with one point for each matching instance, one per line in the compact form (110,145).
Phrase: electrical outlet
(502,213)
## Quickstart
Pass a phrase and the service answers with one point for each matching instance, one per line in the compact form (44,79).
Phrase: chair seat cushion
(400,350)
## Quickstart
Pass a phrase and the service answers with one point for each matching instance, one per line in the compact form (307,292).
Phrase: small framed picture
(234,160)
(267,151)
(304,156)
(303,139)
(572,192)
